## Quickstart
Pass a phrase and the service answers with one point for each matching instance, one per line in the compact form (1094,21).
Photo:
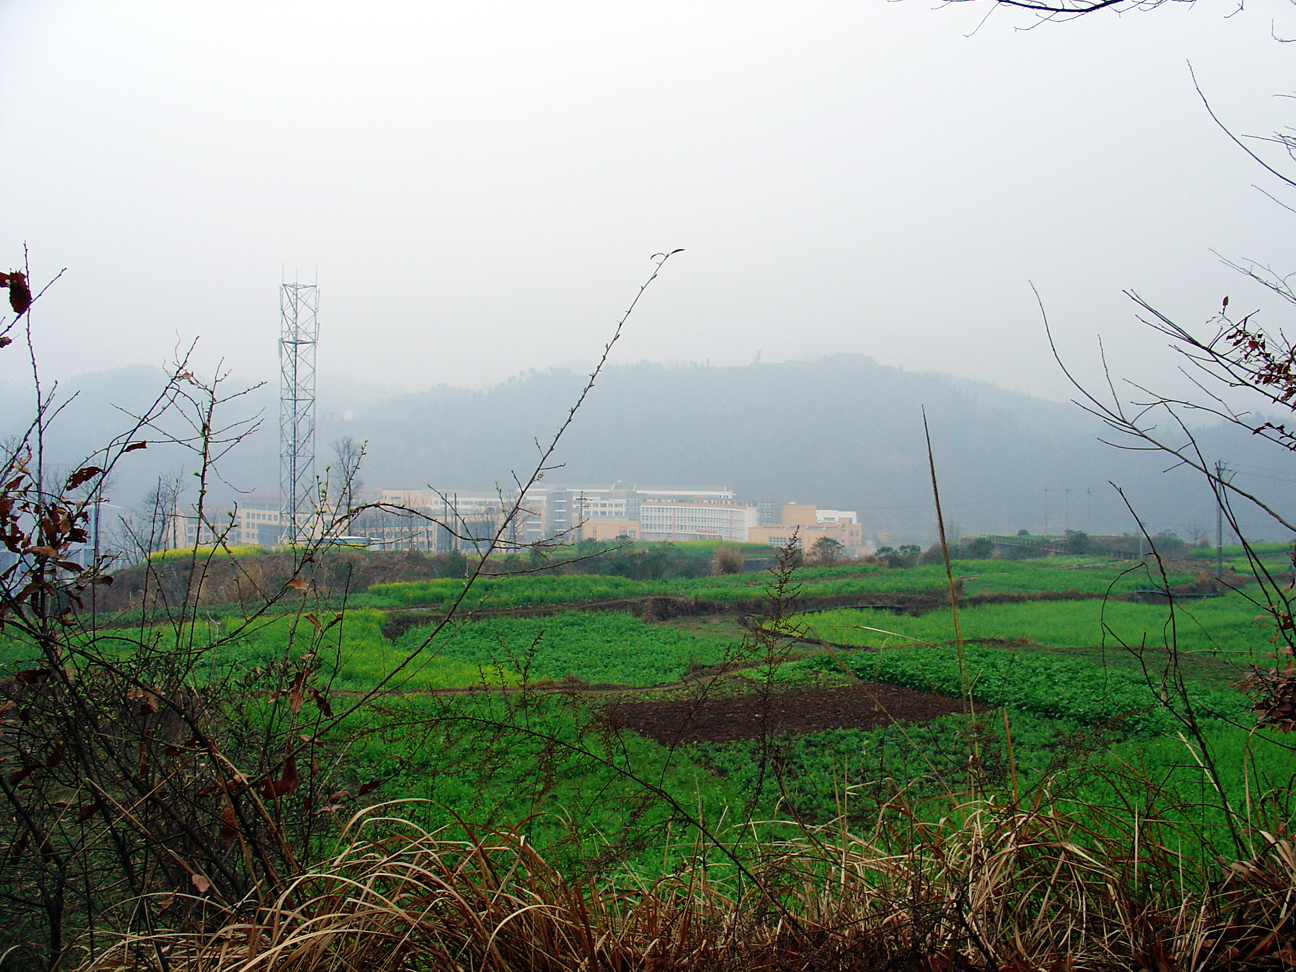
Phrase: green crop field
(628,752)
(590,647)
(1059,695)
(1083,575)
(1229,629)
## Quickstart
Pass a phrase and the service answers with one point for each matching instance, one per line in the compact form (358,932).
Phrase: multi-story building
(806,524)
(652,513)
(568,509)
(442,521)
(408,519)
(674,520)
(254,524)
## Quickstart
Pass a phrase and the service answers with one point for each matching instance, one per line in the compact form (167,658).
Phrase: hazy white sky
(479,185)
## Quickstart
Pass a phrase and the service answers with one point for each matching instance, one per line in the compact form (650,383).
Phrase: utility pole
(99,501)
(1219,519)
(1046,492)
(1066,520)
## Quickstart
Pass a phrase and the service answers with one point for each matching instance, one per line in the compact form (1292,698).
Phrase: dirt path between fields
(663,608)
(796,711)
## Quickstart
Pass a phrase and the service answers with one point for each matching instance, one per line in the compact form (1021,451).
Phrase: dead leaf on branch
(322,703)
(285,784)
(82,476)
(20,297)
(22,774)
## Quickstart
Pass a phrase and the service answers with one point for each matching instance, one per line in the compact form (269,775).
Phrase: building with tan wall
(607,529)
(807,524)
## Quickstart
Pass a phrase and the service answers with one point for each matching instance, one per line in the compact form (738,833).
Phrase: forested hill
(842,432)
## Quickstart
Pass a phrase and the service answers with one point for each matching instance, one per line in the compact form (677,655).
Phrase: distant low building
(255,524)
(444,521)
(806,524)
(440,521)
(608,529)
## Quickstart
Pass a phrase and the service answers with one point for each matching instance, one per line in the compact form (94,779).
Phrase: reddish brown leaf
(135,445)
(22,774)
(297,693)
(17,847)
(32,675)
(368,787)
(285,784)
(5,341)
(229,824)
(297,584)
(19,296)
(322,703)
(82,476)
(88,811)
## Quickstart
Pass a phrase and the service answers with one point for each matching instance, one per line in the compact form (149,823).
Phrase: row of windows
(693,519)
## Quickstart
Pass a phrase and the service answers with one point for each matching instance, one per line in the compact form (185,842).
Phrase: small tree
(935,554)
(906,556)
(826,551)
(344,474)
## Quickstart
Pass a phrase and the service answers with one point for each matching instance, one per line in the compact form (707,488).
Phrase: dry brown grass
(987,887)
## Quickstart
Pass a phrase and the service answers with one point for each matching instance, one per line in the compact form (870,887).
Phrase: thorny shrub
(132,794)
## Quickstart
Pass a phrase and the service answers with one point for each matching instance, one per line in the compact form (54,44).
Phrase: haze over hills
(844,432)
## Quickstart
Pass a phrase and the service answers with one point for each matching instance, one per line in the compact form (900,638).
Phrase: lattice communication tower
(299,334)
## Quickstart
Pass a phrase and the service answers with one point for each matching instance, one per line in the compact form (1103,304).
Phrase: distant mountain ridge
(843,432)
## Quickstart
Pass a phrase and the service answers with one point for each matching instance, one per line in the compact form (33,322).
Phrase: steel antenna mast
(299,334)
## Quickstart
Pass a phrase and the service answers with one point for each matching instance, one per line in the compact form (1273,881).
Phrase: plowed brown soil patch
(794,712)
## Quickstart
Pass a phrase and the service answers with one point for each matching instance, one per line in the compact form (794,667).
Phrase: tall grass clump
(986,886)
